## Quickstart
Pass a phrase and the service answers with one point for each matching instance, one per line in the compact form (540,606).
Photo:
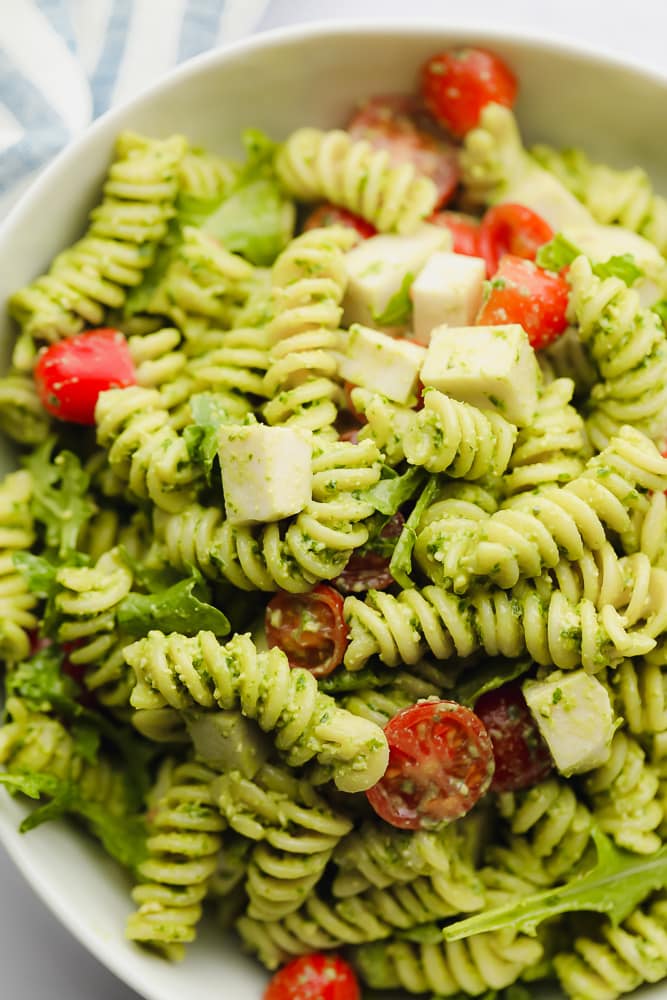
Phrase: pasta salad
(333,580)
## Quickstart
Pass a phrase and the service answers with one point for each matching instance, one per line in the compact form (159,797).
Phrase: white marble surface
(39,960)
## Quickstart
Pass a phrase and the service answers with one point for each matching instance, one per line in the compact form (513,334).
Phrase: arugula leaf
(391,492)
(201,437)
(60,498)
(491,675)
(399,307)
(40,682)
(620,266)
(615,886)
(400,566)
(86,738)
(557,253)
(182,607)
(254,219)
(123,837)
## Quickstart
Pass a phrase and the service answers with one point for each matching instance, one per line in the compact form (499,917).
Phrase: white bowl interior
(277,82)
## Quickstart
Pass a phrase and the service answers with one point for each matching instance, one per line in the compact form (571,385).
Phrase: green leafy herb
(399,307)
(615,886)
(400,566)
(182,607)
(488,677)
(139,298)
(621,266)
(60,500)
(201,437)
(557,253)
(342,681)
(123,837)
(40,682)
(255,219)
(392,491)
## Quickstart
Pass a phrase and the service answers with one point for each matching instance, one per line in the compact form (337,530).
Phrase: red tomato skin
(327,214)
(464,230)
(314,977)
(521,292)
(309,628)
(71,374)
(440,765)
(395,123)
(521,755)
(514,229)
(370,570)
(458,84)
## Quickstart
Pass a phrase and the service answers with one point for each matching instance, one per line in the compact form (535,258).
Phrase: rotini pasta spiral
(554,448)
(479,963)
(173,670)
(315,545)
(309,280)
(184,843)
(295,830)
(619,958)
(314,165)
(156,357)
(531,617)
(17,603)
(625,197)
(202,280)
(205,177)
(549,832)
(638,690)
(22,415)
(237,363)
(629,346)
(33,741)
(86,602)
(143,449)
(86,280)
(381,704)
(624,796)
(533,532)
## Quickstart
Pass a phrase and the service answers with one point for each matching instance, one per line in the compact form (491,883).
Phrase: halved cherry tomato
(370,570)
(522,757)
(327,214)
(393,123)
(309,628)
(440,765)
(521,292)
(514,229)
(314,977)
(456,85)
(464,229)
(71,374)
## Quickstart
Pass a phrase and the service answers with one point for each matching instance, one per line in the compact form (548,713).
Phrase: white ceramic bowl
(570,95)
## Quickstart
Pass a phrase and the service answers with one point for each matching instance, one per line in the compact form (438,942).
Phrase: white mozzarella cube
(491,367)
(378,362)
(266,472)
(546,195)
(448,290)
(574,715)
(379,267)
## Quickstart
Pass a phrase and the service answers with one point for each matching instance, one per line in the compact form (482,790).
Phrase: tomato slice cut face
(522,757)
(393,123)
(440,765)
(464,229)
(309,628)
(511,228)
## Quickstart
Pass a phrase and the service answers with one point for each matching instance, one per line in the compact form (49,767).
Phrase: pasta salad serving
(333,574)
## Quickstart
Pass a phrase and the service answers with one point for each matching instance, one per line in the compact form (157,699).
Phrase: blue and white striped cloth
(64,62)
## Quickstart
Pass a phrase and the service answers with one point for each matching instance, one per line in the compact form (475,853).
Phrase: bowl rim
(548,42)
